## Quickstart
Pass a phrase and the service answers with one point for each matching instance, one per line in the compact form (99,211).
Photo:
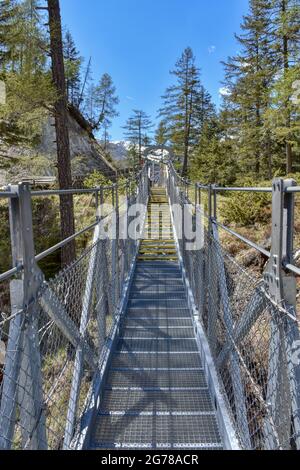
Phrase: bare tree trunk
(62,132)
(186,134)
(185,163)
(140,141)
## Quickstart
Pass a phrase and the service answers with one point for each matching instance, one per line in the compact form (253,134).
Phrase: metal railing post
(215,201)
(210,209)
(284,401)
(117,294)
(97,204)
(22,383)
(199,197)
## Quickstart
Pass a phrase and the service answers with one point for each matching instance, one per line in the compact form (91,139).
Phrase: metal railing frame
(214,190)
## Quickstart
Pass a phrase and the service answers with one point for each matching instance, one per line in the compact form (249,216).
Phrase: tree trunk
(140,143)
(62,132)
(289,158)
(257,153)
(185,162)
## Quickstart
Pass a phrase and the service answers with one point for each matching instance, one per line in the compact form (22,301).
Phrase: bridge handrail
(213,189)
(11,194)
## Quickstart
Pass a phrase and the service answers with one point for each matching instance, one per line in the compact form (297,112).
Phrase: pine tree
(133,156)
(9,15)
(185,107)
(73,63)
(137,130)
(105,136)
(286,37)
(22,40)
(161,134)
(24,68)
(249,76)
(105,101)
(213,160)
(86,83)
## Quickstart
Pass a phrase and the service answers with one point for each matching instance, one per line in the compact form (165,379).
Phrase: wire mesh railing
(57,336)
(250,322)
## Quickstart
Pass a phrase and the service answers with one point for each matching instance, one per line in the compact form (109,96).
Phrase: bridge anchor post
(283,390)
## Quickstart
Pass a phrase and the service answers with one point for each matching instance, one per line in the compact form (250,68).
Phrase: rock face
(119,151)
(18,163)
(85,151)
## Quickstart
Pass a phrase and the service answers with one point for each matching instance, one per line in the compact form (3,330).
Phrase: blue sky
(138,42)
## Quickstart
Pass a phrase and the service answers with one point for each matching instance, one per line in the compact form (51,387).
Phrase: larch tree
(105,102)
(161,134)
(137,130)
(24,69)
(9,40)
(73,62)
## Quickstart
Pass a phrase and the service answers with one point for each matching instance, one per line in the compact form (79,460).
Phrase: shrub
(96,179)
(247,208)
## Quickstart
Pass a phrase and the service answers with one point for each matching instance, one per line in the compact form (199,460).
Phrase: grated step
(156,379)
(157,345)
(162,296)
(152,268)
(152,313)
(157,360)
(139,401)
(168,285)
(158,303)
(157,274)
(163,265)
(157,322)
(164,333)
(157,432)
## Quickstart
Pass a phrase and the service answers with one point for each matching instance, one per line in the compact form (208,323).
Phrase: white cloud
(129,98)
(212,49)
(224,91)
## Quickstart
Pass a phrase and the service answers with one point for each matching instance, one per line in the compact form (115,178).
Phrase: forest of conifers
(255,133)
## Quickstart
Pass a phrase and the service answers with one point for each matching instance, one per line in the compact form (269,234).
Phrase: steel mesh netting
(253,340)
(52,362)
(75,290)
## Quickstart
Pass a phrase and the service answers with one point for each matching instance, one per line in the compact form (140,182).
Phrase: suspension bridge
(152,341)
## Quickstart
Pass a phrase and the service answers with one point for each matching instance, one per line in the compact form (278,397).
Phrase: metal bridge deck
(156,394)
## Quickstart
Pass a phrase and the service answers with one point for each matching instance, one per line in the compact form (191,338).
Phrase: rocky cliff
(19,162)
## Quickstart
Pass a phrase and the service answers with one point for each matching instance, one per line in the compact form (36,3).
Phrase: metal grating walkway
(156,394)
